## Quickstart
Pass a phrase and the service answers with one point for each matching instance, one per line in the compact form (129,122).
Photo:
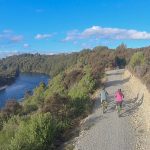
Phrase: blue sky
(56,26)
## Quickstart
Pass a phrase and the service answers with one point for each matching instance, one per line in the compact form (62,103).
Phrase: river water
(25,81)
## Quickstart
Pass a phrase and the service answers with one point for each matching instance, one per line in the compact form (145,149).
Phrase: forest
(7,76)
(54,64)
(45,119)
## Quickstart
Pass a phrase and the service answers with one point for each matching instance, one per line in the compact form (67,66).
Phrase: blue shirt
(103,95)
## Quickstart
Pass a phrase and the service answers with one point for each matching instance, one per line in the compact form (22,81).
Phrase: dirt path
(108,131)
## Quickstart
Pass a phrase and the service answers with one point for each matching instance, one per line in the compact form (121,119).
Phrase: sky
(58,26)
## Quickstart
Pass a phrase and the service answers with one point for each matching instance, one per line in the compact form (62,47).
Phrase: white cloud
(16,38)
(26,45)
(72,35)
(8,36)
(99,32)
(42,36)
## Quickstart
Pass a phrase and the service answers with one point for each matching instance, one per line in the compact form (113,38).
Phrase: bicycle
(104,105)
(119,108)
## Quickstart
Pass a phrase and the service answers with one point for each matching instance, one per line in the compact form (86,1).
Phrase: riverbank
(23,83)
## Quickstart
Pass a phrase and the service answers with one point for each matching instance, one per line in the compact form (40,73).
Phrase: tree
(121,47)
(137,59)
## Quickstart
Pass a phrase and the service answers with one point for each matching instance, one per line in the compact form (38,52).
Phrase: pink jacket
(119,96)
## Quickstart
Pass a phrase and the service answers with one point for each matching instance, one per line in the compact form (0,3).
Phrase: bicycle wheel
(119,110)
(104,106)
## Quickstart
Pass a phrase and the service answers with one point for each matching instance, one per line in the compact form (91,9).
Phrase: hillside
(45,119)
(141,111)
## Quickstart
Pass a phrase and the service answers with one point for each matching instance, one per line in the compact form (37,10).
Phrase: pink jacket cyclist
(119,96)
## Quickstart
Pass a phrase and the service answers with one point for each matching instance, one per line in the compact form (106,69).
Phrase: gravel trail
(107,131)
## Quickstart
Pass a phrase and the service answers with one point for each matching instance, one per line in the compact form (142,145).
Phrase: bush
(82,89)
(140,70)
(38,133)
(12,107)
(79,93)
(55,86)
(38,95)
(137,59)
(72,77)
(79,107)
(8,132)
(32,103)
(28,108)
(57,106)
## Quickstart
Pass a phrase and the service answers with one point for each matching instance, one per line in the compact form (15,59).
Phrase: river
(25,81)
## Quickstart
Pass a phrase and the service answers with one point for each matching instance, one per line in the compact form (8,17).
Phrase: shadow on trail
(130,106)
(97,104)
(117,73)
(111,109)
(90,122)
(117,82)
(133,106)
(132,101)
(111,104)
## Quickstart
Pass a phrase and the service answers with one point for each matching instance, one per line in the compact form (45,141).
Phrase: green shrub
(28,108)
(137,59)
(55,86)
(79,107)
(38,95)
(8,132)
(57,106)
(79,93)
(32,103)
(38,133)
(82,89)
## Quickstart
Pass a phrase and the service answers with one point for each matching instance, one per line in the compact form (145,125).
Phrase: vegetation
(42,120)
(7,75)
(38,132)
(47,113)
(140,65)
(137,59)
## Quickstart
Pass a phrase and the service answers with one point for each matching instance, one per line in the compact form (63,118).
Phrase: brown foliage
(56,105)
(72,77)
(12,107)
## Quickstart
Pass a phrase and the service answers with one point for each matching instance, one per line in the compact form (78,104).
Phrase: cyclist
(119,99)
(104,102)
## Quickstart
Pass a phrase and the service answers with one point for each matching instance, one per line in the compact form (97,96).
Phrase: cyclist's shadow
(132,106)
(111,104)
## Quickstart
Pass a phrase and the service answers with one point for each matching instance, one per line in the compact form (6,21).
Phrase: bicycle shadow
(111,104)
(116,73)
(133,106)
(131,101)
(130,106)
(97,104)
(91,121)
(117,82)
